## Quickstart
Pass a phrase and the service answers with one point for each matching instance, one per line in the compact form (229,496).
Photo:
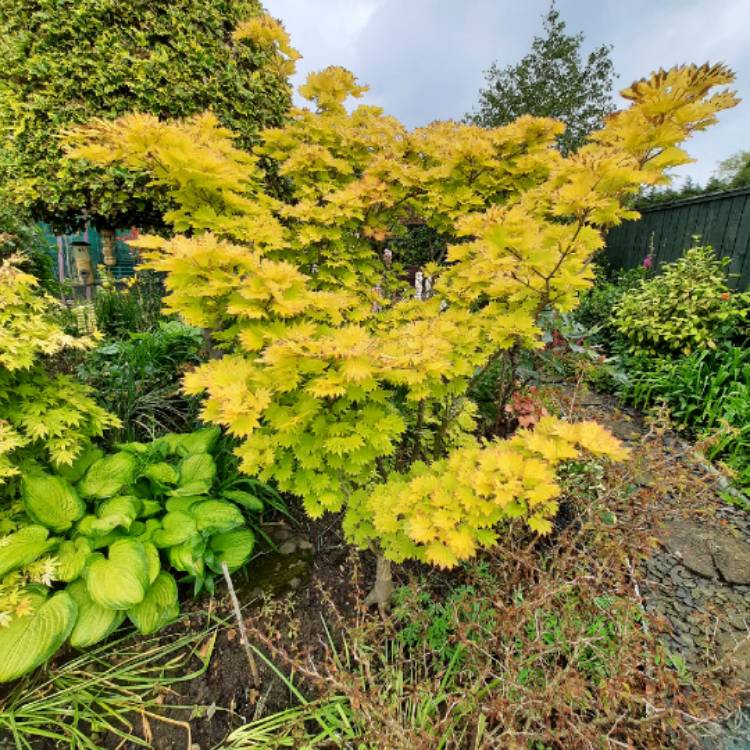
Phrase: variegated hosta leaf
(232,547)
(158,608)
(121,580)
(177,527)
(184,503)
(188,557)
(23,547)
(94,622)
(162,473)
(51,500)
(78,468)
(71,558)
(197,474)
(212,516)
(32,639)
(200,441)
(107,476)
(153,560)
(117,512)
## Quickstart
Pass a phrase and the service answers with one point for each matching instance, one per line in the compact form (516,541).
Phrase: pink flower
(648,261)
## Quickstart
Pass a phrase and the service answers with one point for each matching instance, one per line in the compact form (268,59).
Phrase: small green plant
(594,313)
(19,236)
(686,307)
(138,379)
(129,307)
(708,395)
(110,528)
(435,624)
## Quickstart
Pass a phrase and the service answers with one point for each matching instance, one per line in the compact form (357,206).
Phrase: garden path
(694,580)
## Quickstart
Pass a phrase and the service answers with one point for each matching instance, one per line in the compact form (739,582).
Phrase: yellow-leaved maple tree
(346,388)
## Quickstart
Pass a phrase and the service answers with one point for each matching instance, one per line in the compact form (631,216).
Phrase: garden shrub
(599,302)
(22,238)
(345,389)
(67,61)
(43,416)
(105,537)
(684,308)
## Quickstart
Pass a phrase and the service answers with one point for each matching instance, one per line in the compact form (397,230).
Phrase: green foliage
(30,640)
(123,520)
(124,309)
(86,700)
(434,624)
(138,379)
(343,389)
(19,236)
(552,81)
(686,307)
(67,61)
(708,394)
(51,417)
(731,173)
(50,501)
(597,304)
(416,245)
(734,171)
(678,339)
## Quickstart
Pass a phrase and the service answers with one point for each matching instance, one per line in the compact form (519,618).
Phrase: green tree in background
(730,173)
(553,80)
(67,61)
(734,171)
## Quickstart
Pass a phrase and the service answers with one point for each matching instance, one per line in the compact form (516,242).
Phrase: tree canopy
(67,61)
(553,80)
(344,388)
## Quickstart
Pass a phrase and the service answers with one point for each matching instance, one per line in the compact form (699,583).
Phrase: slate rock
(732,557)
(689,542)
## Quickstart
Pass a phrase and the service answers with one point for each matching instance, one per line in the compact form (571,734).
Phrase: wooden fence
(719,219)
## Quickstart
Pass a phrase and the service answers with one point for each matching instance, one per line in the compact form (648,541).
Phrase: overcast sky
(424,59)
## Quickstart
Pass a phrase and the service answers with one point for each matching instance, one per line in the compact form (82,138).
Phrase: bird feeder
(109,255)
(82,259)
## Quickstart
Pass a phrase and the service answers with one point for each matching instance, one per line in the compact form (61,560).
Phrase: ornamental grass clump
(345,388)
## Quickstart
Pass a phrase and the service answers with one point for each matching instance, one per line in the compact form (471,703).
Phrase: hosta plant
(345,388)
(103,540)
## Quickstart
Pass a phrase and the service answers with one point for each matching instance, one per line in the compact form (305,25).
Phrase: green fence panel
(718,219)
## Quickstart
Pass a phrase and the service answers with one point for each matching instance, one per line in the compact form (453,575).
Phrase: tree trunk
(383,588)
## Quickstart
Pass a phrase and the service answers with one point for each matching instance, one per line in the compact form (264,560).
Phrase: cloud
(424,59)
